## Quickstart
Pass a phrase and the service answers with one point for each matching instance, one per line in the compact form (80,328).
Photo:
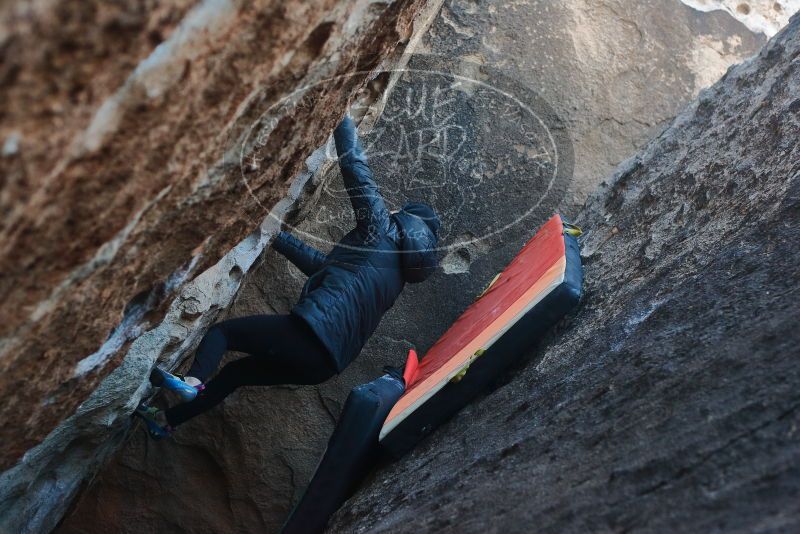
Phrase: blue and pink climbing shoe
(163,379)
(151,415)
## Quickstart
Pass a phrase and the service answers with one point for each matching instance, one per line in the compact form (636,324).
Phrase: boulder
(669,401)
(148,152)
(598,79)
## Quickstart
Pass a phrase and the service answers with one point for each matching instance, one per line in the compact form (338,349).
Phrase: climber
(341,304)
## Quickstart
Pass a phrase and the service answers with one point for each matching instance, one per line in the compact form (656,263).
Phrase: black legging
(283,350)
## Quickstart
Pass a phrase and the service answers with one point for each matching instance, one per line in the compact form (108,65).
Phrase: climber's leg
(235,334)
(243,334)
(209,353)
(290,353)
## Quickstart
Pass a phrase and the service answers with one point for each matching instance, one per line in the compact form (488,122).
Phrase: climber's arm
(368,205)
(306,258)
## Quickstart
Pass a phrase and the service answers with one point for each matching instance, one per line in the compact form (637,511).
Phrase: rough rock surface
(766,16)
(616,71)
(602,91)
(139,189)
(129,219)
(671,401)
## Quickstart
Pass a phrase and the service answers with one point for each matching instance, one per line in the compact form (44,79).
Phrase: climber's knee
(217,332)
(319,373)
(209,353)
(232,376)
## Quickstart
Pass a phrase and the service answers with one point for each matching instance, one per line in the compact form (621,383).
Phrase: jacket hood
(424,212)
(418,229)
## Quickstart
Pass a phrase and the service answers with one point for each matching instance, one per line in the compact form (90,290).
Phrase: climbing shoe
(150,416)
(163,379)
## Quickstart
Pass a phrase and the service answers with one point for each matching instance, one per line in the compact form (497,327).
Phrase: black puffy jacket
(350,289)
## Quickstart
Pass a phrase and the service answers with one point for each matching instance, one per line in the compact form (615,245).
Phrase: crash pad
(540,285)
(351,453)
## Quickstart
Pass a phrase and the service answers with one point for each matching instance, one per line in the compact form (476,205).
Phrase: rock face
(766,16)
(599,79)
(143,147)
(669,402)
